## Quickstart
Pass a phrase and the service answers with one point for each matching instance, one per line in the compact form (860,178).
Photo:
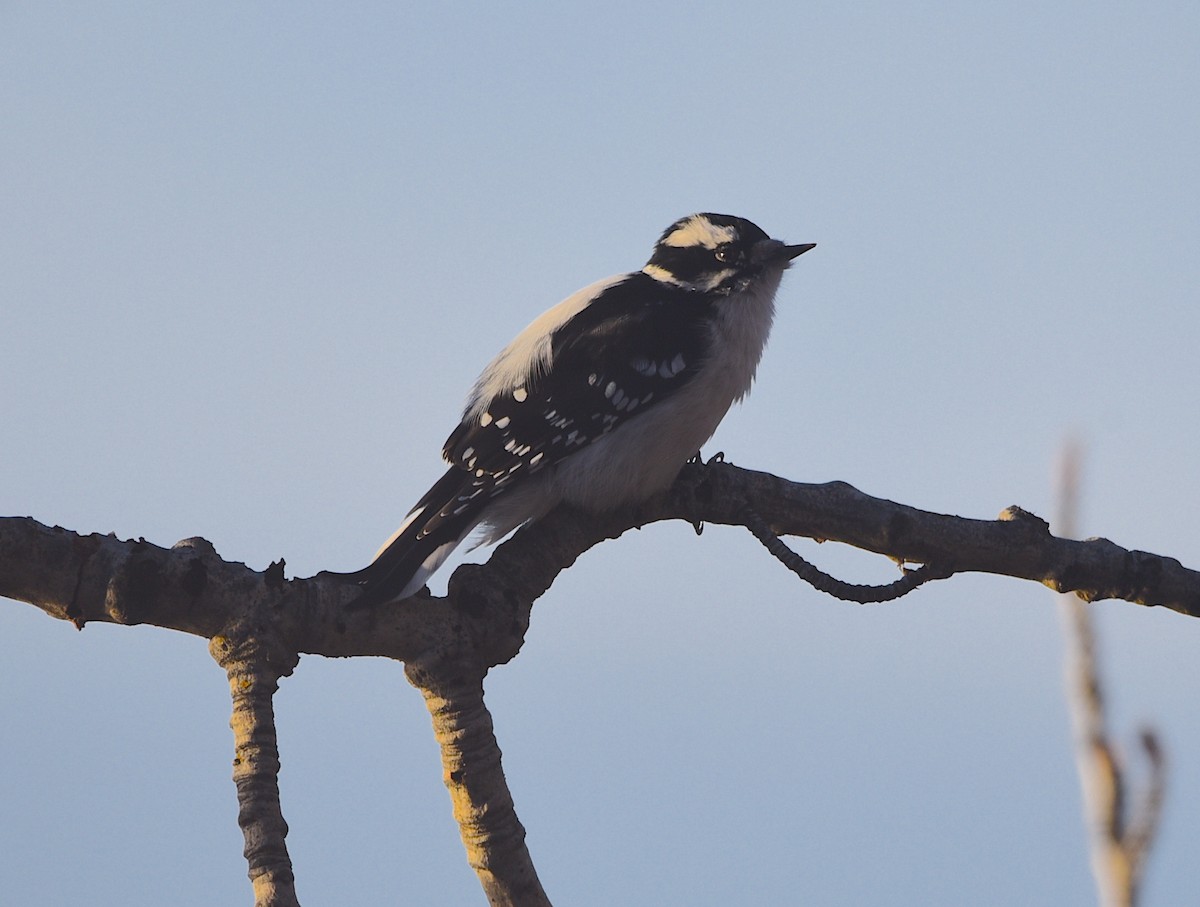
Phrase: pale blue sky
(254,256)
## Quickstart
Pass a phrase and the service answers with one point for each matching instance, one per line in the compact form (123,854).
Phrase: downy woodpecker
(602,399)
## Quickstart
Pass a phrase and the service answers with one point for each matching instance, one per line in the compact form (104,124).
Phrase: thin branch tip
(831,585)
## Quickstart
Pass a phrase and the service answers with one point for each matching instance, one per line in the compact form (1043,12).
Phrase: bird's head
(717,253)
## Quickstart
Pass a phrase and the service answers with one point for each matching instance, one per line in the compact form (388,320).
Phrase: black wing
(632,348)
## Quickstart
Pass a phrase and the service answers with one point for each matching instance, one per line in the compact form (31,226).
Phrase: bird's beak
(773,252)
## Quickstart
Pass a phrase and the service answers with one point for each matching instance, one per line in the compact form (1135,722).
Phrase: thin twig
(1118,844)
(831,585)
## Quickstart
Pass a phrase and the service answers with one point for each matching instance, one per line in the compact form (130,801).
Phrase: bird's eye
(725,254)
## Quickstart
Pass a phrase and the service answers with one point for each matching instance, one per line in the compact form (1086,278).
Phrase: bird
(601,400)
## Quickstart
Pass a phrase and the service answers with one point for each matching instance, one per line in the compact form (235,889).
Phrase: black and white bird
(602,399)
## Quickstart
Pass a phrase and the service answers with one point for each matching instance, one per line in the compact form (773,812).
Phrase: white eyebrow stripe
(699,231)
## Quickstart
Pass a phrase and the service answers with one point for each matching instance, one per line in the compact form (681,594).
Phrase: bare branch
(1118,845)
(1143,827)
(254,666)
(448,644)
(483,806)
(1017,544)
(830,585)
(86,578)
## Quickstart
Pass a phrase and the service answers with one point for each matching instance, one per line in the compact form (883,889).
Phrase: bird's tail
(431,531)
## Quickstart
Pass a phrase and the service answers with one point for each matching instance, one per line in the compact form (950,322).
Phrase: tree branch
(1119,833)
(486,610)
(483,806)
(254,661)
(450,643)
(830,585)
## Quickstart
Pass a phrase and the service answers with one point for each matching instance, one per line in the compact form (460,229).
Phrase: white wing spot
(535,459)
(485,419)
(644,367)
(672,368)
(502,422)
(519,394)
(610,389)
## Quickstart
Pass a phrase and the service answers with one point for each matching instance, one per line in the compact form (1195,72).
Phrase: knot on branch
(831,585)
(252,652)
(196,543)
(251,645)
(1022,517)
(493,619)
(135,585)
(147,582)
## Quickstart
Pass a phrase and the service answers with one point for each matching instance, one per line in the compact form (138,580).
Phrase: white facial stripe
(698,231)
(662,275)
(707,284)
(715,280)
